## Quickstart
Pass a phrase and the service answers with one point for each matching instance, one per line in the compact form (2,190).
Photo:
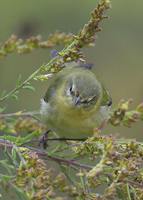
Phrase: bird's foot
(43,140)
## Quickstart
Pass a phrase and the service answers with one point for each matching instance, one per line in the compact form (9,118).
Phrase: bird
(75,103)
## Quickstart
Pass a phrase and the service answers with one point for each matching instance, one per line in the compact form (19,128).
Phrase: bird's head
(83,90)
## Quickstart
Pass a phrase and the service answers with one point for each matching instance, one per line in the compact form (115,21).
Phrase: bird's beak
(77,100)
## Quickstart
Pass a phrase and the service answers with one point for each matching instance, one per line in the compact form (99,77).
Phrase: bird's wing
(106,99)
(53,84)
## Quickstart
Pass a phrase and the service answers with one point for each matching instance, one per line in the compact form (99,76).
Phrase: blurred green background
(118,54)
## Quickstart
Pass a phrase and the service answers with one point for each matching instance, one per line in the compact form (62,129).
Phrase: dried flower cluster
(118,167)
(39,183)
(114,170)
(88,33)
(20,125)
(100,168)
(72,52)
(122,115)
(85,37)
(18,45)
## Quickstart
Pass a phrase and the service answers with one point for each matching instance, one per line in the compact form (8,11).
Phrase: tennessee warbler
(75,103)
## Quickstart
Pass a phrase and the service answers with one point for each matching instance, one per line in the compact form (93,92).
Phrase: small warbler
(75,103)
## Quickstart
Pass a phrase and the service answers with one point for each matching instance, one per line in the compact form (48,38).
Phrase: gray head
(83,90)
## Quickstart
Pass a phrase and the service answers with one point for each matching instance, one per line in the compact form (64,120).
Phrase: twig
(72,51)
(19,114)
(66,139)
(70,162)
(20,46)
(45,155)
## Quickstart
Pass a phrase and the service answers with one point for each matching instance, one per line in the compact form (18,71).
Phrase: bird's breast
(69,122)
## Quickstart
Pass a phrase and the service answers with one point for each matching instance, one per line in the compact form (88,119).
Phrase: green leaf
(128,192)
(123,192)
(30,87)
(8,167)
(3,94)
(14,154)
(19,80)
(20,193)
(9,138)
(5,178)
(11,157)
(2,109)
(28,137)
(15,96)
(20,140)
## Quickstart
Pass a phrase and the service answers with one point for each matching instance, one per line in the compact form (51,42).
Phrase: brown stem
(44,154)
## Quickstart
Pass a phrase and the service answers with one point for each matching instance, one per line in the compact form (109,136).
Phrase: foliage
(18,45)
(99,168)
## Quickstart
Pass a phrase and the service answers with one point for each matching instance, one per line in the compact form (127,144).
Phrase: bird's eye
(71,91)
(110,102)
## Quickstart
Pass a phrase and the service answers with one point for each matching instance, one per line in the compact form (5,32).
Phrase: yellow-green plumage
(75,103)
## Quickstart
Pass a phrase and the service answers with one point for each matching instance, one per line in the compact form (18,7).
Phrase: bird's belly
(71,128)
(71,124)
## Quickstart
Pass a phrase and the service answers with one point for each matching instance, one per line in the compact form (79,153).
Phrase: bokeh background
(118,54)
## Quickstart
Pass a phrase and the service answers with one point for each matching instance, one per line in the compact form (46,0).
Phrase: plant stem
(72,51)
(19,114)
(44,154)
(25,82)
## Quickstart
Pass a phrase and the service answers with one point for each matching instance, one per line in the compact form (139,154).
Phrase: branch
(72,51)
(19,114)
(41,153)
(123,116)
(20,46)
